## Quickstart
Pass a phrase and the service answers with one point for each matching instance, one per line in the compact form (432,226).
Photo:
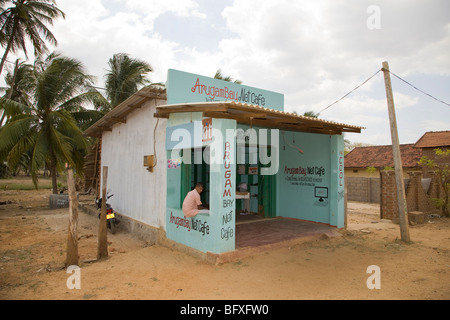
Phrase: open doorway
(255,193)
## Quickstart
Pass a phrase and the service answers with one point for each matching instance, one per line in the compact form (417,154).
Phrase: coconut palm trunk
(53,173)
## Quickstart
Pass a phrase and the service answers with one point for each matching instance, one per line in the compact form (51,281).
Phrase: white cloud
(435,125)
(152,9)
(312,51)
(315,52)
(92,33)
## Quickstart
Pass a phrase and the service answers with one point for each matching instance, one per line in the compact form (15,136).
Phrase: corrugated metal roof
(259,116)
(241,112)
(120,112)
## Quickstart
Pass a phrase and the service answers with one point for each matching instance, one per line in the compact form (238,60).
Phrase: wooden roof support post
(401,197)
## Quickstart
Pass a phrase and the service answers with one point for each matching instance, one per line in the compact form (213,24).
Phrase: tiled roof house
(360,158)
(439,139)
(431,141)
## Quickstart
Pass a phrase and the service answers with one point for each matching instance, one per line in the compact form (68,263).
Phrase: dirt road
(32,255)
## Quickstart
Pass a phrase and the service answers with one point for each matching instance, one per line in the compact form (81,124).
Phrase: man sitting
(192,205)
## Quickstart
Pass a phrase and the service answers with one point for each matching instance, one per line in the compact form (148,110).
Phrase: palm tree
(26,21)
(220,76)
(124,77)
(15,91)
(47,130)
(311,114)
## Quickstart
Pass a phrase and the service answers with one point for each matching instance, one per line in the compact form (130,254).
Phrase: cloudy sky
(313,52)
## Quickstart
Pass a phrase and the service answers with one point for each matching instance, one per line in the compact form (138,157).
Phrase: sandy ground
(32,255)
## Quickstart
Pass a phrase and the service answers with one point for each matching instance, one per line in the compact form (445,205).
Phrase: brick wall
(431,154)
(417,199)
(388,196)
(363,189)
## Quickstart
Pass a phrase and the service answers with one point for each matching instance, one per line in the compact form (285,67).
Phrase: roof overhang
(120,112)
(258,116)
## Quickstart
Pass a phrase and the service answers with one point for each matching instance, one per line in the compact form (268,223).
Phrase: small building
(253,158)
(364,185)
(380,157)
(429,142)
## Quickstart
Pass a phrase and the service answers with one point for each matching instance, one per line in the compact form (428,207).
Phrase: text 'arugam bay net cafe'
(205,162)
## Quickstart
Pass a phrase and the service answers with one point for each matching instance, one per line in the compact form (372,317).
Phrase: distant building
(364,185)
(360,158)
(431,141)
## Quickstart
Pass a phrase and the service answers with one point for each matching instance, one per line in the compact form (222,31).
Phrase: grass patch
(25,183)
(18,186)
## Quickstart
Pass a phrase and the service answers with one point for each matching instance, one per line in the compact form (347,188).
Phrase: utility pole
(72,237)
(102,244)
(401,197)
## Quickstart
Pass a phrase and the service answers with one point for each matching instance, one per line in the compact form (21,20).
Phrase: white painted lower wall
(138,193)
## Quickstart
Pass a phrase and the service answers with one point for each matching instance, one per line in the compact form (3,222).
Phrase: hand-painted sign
(206,129)
(184,87)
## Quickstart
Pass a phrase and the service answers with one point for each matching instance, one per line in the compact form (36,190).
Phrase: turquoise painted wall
(185,87)
(308,183)
(337,210)
(214,232)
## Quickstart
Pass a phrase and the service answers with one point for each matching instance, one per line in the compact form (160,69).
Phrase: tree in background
(16,91)
(311,114)
(124,77)
(442,170)
(220,76)
(47,131)
(26,20)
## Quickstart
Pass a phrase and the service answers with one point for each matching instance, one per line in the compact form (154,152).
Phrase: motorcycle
(111,217)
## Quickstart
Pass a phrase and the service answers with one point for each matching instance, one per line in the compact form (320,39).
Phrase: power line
(351,91)
(398,77)
(418,89)
(329,106)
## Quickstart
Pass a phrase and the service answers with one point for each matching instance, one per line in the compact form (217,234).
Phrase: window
(197,171)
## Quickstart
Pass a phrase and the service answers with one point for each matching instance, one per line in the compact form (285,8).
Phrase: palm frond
(12,108)
(124,77)
(27,21)
(14,130)
(22,146)
(39,156)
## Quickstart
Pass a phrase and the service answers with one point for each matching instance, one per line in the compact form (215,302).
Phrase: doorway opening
(255,193)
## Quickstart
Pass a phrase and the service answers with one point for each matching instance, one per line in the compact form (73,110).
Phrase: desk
(246,197)
(204,211)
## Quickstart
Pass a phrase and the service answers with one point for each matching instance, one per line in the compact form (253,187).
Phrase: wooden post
(102,245)
(401,197)
(72,237)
